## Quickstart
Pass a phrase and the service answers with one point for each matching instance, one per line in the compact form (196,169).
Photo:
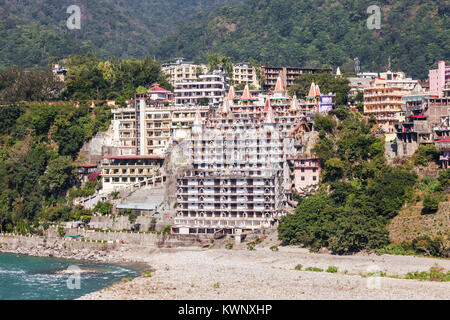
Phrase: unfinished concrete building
(240,178)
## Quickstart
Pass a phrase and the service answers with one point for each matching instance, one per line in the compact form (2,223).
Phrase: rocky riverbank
(264,274)
(217,273)
(63,248)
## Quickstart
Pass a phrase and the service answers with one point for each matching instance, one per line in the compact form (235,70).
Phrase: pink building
(438,78)
(306,173)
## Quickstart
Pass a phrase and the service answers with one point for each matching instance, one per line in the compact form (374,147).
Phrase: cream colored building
(181,70)
(245,73)
(383,100)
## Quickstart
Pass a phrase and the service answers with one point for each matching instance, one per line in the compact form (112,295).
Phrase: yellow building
(181,70)
(383,100)
(245,73)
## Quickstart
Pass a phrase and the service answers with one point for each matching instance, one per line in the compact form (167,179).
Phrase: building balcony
(443,145)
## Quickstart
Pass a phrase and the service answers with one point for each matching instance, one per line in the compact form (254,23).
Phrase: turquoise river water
(34,278)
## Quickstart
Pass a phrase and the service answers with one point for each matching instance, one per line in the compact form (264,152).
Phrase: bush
(251,246)
(274,248)
(298,267)
(332,269)
(404,248)
(229,246)
(430,203)
(425,154)
(61,231)
(167,229)
(428,246)
(315,269)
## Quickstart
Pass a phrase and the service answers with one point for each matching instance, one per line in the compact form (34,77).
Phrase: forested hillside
(360,193)
(38,145)
(414,33)
(33,31)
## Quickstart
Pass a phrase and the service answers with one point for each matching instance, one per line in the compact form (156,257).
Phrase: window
(303,178)
(314,178)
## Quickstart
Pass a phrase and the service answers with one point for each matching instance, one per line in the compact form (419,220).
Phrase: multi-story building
(287,74)
(239,176)
(438,78)
(245,73)
(122,171)
(210,87)
(180,71)
(146,126)
(383,100)
(427,122)
(440,120)
(307,172)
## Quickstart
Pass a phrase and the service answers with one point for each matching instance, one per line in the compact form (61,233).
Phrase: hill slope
(415,34)
(31,31)
(314,32)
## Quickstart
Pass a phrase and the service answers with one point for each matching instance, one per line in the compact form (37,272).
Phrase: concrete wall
(145,239)
(148,223)
(406,149)
(390,151)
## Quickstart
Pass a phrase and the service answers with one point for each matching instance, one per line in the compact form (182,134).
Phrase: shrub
(147,274)
(61,231)
(332,269)
(404,248)
(274,248)
(251,246)
(133,217)
(426,153)
(315,269)
(430,203)
(298,267)
(167,229)
(229,246)
(428,246)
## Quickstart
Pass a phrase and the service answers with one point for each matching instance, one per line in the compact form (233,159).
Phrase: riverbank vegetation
(39,145)
(360,193)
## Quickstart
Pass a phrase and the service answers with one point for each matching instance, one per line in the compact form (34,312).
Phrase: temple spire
(225,110)
(294,103)
(198,121)
(270,118)
(317,91)
(267,105)
(247,95)
(312,90)
(279,86)
(231,93)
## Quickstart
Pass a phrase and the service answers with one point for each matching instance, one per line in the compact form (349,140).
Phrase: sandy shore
(263,274)
(217,273)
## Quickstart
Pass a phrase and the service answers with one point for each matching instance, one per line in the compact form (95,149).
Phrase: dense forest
(88,78)
(39,145)
(415,34)
(32,32)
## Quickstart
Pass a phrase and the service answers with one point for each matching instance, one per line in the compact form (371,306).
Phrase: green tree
(430,203)
(59,176)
